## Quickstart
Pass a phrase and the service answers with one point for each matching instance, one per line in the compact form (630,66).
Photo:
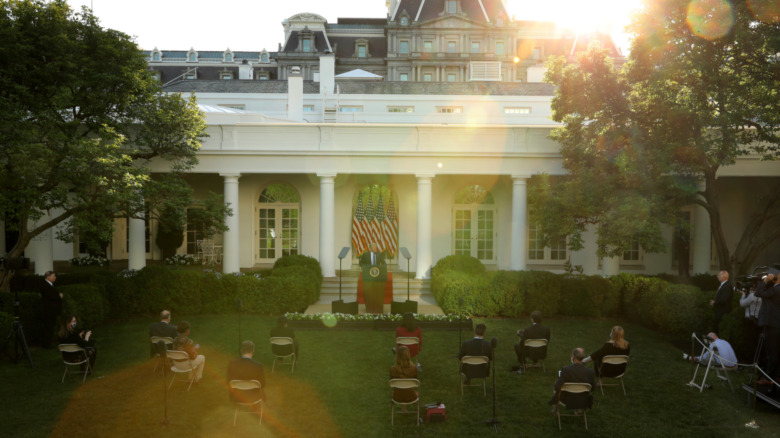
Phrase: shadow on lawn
(129,403)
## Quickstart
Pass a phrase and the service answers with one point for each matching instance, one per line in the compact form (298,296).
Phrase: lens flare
(329,320)
(710,19)
(767,11)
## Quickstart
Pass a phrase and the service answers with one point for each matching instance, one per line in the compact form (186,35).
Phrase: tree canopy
(698,90)
(81,118)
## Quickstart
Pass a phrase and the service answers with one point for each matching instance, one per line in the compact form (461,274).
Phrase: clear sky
(255,25)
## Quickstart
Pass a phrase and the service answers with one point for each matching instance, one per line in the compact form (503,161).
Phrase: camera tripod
(17,336)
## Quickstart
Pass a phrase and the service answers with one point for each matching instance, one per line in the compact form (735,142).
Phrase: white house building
(438,110)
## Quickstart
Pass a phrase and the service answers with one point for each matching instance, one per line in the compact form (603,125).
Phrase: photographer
(769,319)
(751,303)
(721,348)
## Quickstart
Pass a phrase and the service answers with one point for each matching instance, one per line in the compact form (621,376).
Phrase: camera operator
(751,303)
(720,347)
(769,319)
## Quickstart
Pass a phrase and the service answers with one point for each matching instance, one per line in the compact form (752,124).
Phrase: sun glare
(609,16)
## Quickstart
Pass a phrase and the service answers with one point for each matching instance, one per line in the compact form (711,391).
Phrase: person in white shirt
(721,348)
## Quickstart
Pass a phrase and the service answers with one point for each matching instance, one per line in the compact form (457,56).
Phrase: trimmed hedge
(677,309)
(292,286)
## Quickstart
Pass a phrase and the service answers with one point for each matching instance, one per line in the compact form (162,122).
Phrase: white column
(519,243)
(424,200)
(230,245)
(610,266)
(136,245)
(2,238)
(702,238)
(43,248)
(327,224)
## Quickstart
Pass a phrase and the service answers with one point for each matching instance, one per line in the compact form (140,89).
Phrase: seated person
(245,368)
(574,373)
(410,329)
(535,331)
(68,334)
(162,328)
(282,331)
(616,346)
(403,369)
(720,347)
(477,346)
(182,342)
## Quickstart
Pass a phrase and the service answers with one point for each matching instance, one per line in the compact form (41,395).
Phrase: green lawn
(340,388)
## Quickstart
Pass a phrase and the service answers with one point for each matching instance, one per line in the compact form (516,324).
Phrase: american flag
(368,228)
(357,227)
(376,224)
(390,229)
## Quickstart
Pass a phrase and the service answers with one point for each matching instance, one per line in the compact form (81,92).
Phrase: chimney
(327,73)
(245,70)
(295,95)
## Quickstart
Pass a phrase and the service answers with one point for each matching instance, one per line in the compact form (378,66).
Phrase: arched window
(264,57)
(474,232)
(404,20)
(228,57)
(277,218)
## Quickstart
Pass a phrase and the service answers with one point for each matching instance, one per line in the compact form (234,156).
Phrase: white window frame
(476,45)
(427,77)
(403,77)
(449,109)
(452,47)
(226,75)
(451,6)
(308,108)
(547,252)
(634,256)
(400,109)
(263,76)
(502,45)
(351,108)
(403,46)
(517,110)
(428,46)
(452,77)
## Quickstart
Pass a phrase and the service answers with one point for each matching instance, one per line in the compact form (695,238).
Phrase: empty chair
(574,396)
(73,355)
(405,384)
(475,362)
(247,387)
(613,367)
(537,351)
(181,364)
(160,351)
(282,349)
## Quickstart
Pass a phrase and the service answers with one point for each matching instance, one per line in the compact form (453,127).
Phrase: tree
(81,118)
(699,89)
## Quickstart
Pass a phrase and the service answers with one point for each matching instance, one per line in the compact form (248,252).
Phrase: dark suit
(52,309)
(246,369)
(534,331)
(769,319)
(722,304)
(365,259)
(575,373)
(163,329)
(475,347)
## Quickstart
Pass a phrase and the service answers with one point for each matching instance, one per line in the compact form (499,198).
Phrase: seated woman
(67,334)
(410,329)
(403,369)
(616,346)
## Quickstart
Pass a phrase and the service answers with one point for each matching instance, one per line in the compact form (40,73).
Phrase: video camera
(745,282)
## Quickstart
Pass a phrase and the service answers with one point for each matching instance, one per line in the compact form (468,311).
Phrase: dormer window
(451,6)
(192,56)
(361,48)
(264,56)
(404,20)
(156,55)
(499,22)
(228,56)
(306,41)
(306,45)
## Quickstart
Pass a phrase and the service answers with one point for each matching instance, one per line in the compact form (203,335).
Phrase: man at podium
(374,272)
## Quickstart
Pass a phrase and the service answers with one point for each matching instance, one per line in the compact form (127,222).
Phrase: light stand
(160,346)
(240,305)
(493,421)
(409,305)
(339,306)
(17,334)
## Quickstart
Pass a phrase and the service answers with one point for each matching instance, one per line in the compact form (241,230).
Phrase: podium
(374,280)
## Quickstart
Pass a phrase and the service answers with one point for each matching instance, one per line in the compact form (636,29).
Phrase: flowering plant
(89,260)
(183,259)
(295,316)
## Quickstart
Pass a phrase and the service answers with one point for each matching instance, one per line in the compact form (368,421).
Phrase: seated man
(476,346)
(162,328)
(535,331)
(246,368)
(282,331)
(722,350)
(184,343)
(574,373)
